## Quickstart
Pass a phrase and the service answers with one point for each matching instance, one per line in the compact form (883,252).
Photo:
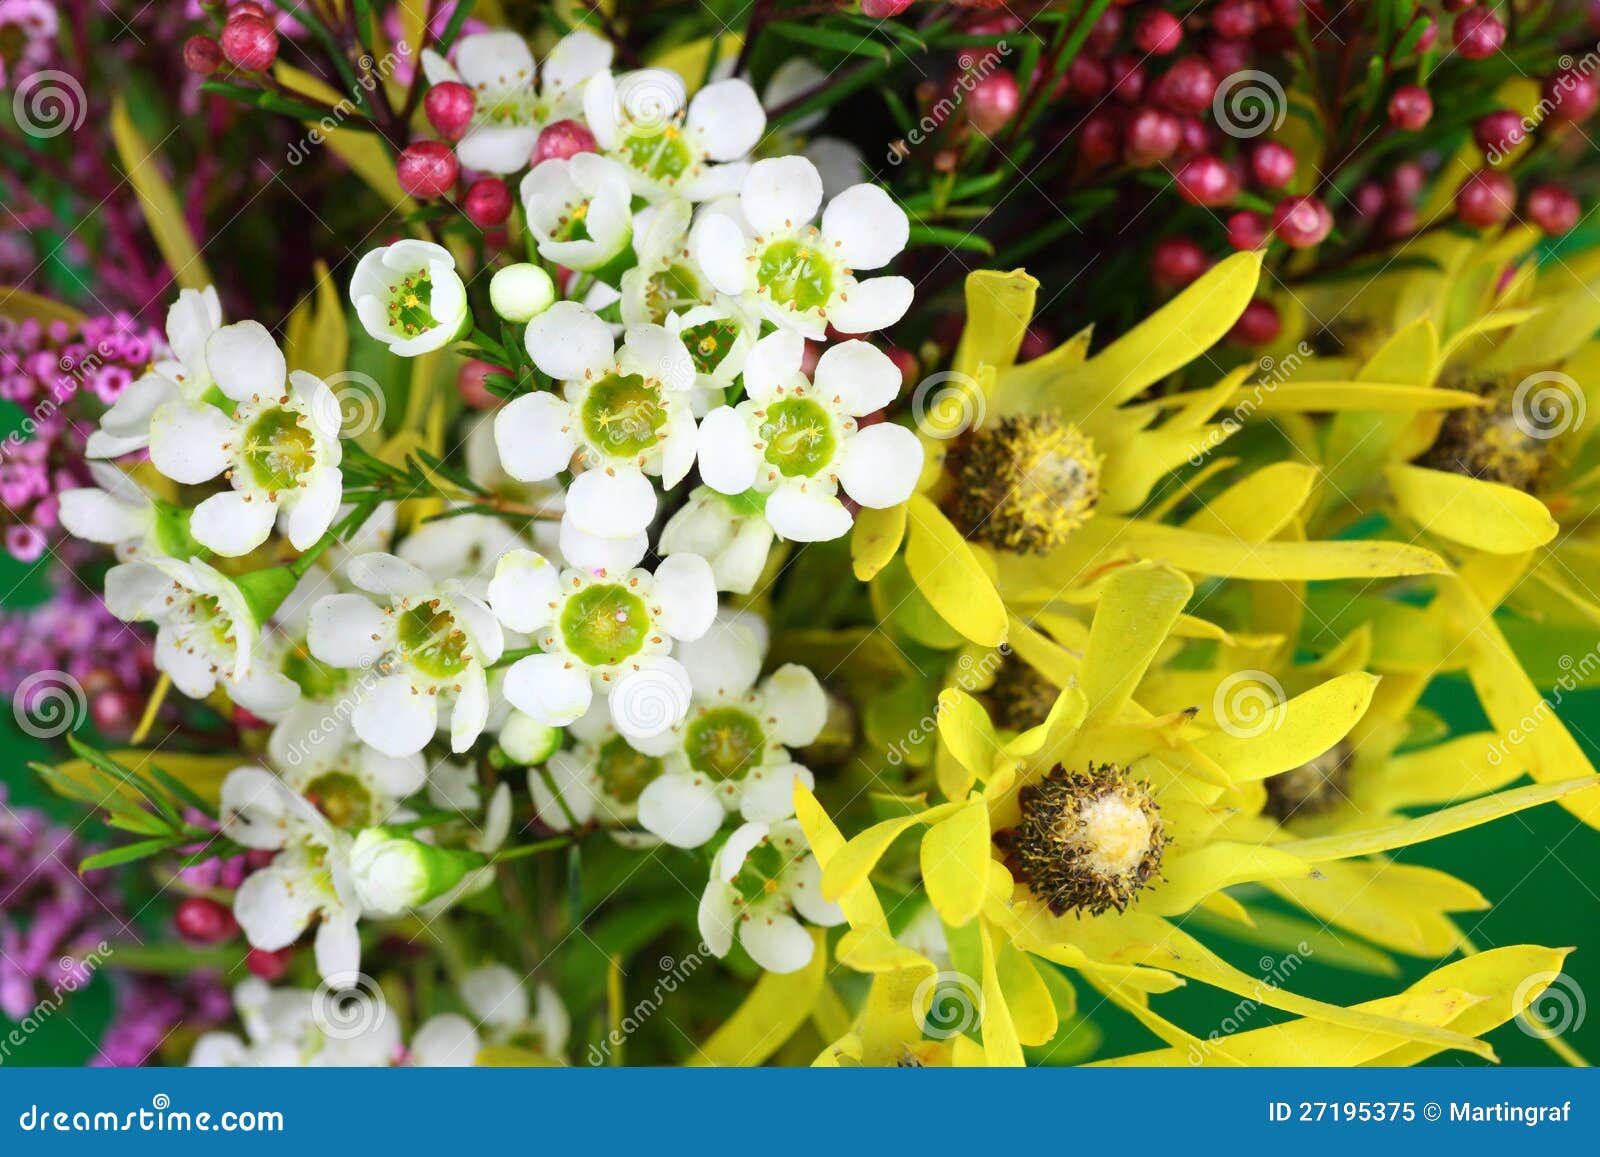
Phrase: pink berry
(473,385)
(202,55)
(883,9)
(1410,108)
(487,203)
(1106,32)
(1272,165)
(993,101)
(1400,222)
(269,966)
(1486,199)
(1086,77)
(1227,56)
(250,43)
(449,106)
(1405,183)
(247,8)
(1552,209)
(1127,78)
(1301,221)
(1572,95)
(1176,262)
(115,711)
(1430,33)
(1235,19)
(1151,136)
(1188,86)
(427,169)
(1205,180)
(1159,33)
(1100,138)
(1257,325)
(201,920)
(1498,132)
(1247,230)
(1478,34)
(563,139)
(1369,199)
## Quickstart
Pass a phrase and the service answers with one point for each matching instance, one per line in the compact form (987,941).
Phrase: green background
(1540,869)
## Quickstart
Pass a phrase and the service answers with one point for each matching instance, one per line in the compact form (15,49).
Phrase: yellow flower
(1080,842)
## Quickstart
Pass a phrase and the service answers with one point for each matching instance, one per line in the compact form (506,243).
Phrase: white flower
(350,782)
(526,741)
(282,1031)
(521,292)
(663,278)
(729,532)
(760,878)
(498,1003)
(430,640)
(510,108)
(115,512)
(639,118)
(409,296)
(625,411)
(797,441)
(612,634)
(393,872)
(730,753)
(206,633)
(719,338)
(799,276)
(308,879)
(838,161)
(463,547)
(277,445)
(579,210)
(597,781)
(125,427)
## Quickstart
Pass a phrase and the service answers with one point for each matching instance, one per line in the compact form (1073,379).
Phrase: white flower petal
(576,57)
(794,697)
(315,505)
(805,893)
(864,228)
(768,794)
(551,689)
(650,700)
(186,442)
(92,514)
(191,320)
(881,465)
(729,118)
(245,362)
(773,363)
(681,810)
(494,992)
(497,148)
(653,352)
(272,908)
(687,592)
(717,917)
(385,574)
(524,590)
(860,375)
(780,193)
(129,416)
(778,943)
(233,524)
(534,436)
(396,718)
(346,630)
(568,342)
(721,249)
(499,61)
(611,501)
(726,659)
(594,553)
(337,948)
(471,711)
(445,1041)
(395,776)
(807,514)
(727,452)
(873,305)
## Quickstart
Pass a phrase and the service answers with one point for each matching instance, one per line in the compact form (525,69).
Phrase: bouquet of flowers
(566,534)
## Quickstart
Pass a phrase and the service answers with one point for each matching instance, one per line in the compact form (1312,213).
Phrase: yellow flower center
(1025,483)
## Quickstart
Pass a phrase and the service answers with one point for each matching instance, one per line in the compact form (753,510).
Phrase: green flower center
(674,288)
(605,624)
(725,742)
(431,641)
(799,436)
(662,156)
(757,877)
(206,613)
(709,342)
(315,678)
(574,226)
(411,304)
(279,450)
(342,798)
(795,274)
(623,415)
(624,771)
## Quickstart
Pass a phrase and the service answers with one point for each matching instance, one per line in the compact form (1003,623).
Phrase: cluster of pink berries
(249,42)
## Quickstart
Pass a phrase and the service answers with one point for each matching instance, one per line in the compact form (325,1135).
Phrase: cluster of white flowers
(673,285)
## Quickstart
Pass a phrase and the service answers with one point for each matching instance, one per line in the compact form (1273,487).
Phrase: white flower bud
(521,292)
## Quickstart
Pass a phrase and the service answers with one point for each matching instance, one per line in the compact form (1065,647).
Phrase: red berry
(1410,108)
(449,106)
(1552,209)
(1247,230)
(1498,132)
(1477,33)
(1100,138)
(1272,165)
(1151,136)
(1106,32)
(201,920)
(883,9)
(1127,78)
(202,54)
(1486,199)
(563,139)
(1159,33)
(1405,183)
(1086,77)
(473,386)
(1301,221)
(1401,221)
(1288,13)
(250,43)
(993,101)
(487,203)
(1188,86)
(1257,325)
(1572,95)
(269,966)
(1205,180)
(1235,19)
(1430,33)
(427,169)
(1369,199)
(1228,56)
(1176,262)
(1196,137)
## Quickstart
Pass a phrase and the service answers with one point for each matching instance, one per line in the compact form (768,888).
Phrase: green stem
(525,850)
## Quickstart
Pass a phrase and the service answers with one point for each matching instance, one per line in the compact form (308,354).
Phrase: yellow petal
(1033,1009)
(1001,1046)
(853,863)
(315,338)
(875,537)
(950,576)
(1460,768)
(1137,609)
(861,907)
(163,213)
(21,305)
(1336,397)
(1400,906)
(779,1004)
(1256,508)
(955,862)
(965,728)
(1279,561)
(1485,515)
(1256,740)
(1193,876)
(999,307)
